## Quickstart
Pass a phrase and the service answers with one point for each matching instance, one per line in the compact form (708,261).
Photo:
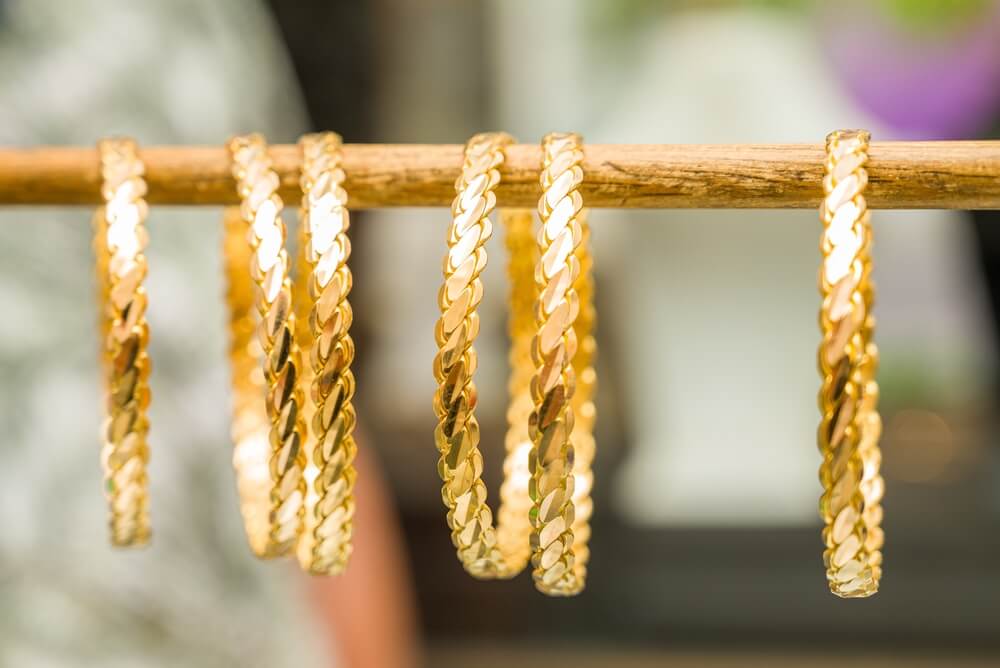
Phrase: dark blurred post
(987,228)
(369,610)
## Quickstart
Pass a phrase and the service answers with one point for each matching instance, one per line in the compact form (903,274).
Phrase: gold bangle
(561,456)
(267,424)
(850,427)
(584,407)
(513,523)
(325,282)
(119,240)
(484,550)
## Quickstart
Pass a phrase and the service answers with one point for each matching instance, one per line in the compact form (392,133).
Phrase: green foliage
(933,15)
(620,17)
(908,379)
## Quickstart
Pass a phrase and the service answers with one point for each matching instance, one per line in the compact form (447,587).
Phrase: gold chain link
(119,240)
(484,551)
(561,511)
(268,457)
(584,408)
(850,427)
(326,280)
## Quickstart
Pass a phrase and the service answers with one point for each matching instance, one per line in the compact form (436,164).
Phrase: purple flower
(922,84)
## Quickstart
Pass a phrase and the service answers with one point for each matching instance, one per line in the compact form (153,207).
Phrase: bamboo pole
(902,175)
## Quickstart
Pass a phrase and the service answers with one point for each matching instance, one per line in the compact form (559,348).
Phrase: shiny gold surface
(848,358)
(322,287)
(119,240)
(562,450)
(484,550)
(584,408)
(268,426)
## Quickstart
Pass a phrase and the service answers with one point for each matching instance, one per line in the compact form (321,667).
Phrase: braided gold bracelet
(484,550)
(268,427)
(584,408)
(323,284)
(563,349)
(119,240)
(513,522)
(850,427)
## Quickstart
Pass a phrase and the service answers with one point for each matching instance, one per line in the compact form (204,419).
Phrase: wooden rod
(902,175)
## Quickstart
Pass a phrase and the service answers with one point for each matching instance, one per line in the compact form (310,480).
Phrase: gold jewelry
(325,282)
(513,523)
(561,456)
(848,358)
(119,240)
(584,408)
(485,551)
(268,427)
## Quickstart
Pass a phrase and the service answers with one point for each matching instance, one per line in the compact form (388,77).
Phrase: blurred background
(706,547)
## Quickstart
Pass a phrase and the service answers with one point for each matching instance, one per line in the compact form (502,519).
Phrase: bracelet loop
(268,456)
(484,550)
(850,427)
(324,283)
(119,240)
(562,421)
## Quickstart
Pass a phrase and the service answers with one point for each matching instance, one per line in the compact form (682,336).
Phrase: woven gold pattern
(850,427)
(268,427)
(484,551)
(561,481)
(119,240)
(513,525)
(584,408)
(324,248)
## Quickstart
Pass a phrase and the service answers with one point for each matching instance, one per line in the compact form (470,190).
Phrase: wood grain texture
(902,175)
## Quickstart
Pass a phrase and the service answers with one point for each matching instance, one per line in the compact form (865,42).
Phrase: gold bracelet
(119,240)
(584,408)
(323,285)
(484,550)
(848,358)
(561,456)
(268,427)
(513,523)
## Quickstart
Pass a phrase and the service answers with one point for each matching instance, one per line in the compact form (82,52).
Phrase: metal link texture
(584,408)
(323,284)
(513,524)
(119,240)
(484,550)
(268,429)
(850,427)
(561,510)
